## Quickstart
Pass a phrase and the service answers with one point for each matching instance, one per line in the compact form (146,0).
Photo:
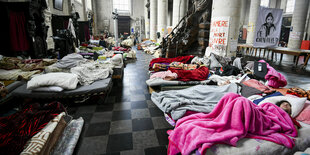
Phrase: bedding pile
(203,117)
(39,129)
(201,131)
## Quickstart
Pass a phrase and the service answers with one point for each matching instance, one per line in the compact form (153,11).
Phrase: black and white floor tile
(128,122)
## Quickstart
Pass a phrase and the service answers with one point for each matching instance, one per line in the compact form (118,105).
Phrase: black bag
(260,70)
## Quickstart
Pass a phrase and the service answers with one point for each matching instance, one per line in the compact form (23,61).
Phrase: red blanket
(198,74)
(233,118)
(183,59)
(17,129)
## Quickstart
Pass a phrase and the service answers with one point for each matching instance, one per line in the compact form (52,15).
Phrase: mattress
(11,87)
(249,146)
(96,88)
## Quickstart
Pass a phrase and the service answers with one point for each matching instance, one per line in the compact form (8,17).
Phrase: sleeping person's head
(285,105)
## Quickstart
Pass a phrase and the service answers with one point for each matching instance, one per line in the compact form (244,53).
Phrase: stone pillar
(230,9)
(254,7)
(115,25)
(48,19)
(283,5)
(84,10)
(162,18)
(94,10)
(242,13)
(272,3)
(298,23)
(146,20)
(180,8)
(153,19)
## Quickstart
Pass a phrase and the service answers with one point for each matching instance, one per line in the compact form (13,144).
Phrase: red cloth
(183,59)
(120,49)
(18,36)
(198,74)
(86,33)
(17,129)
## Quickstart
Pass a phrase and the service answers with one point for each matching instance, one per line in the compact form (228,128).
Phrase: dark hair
(282,101)
(269,15)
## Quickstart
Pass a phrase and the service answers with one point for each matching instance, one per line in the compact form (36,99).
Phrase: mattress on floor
(11,87)
(161,82)
(248,146)
(98,87)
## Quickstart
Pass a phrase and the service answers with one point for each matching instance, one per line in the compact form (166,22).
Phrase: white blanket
(91,71)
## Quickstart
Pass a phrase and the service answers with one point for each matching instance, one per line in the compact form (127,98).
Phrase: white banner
(268,27)
(219,34)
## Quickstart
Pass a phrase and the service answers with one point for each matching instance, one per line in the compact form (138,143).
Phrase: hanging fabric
(19,41)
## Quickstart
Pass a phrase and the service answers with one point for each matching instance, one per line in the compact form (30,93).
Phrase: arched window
(264,3)
(123,6)
(290,6)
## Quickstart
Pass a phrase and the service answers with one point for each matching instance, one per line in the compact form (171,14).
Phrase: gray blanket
(200,98)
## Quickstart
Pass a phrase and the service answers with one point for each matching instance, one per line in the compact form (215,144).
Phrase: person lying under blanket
(287,107)
(234,117)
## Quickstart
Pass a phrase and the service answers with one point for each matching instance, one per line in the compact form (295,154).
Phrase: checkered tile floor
(128,122)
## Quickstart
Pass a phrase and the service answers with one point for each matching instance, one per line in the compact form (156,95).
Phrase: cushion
(63,80)
(213,62)
(296,102)
(247,91)
(304,115)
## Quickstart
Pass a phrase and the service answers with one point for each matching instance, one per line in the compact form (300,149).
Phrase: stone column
(230,9)
(298,23)
(283,5)
(242,13)
(84,10)
(254,6)
(272,3)
(48,19)
(162,18)
(94,10)
(146,20)
(153,19)
(180,8)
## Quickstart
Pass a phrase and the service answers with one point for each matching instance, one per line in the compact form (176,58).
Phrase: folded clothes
(18,128)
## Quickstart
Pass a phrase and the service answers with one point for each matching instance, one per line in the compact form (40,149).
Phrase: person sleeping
(234,117)
(287,107)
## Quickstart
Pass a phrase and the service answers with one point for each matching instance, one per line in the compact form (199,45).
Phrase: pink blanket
(275,79)
(233,118)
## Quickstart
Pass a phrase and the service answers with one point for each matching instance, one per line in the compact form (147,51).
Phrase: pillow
(304,115)
(214,63)
(247,91)
(296,102)
(63,80)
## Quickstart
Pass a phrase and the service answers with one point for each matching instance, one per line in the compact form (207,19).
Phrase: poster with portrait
(268,27)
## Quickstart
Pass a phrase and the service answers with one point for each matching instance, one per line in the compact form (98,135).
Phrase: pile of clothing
(39,129)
